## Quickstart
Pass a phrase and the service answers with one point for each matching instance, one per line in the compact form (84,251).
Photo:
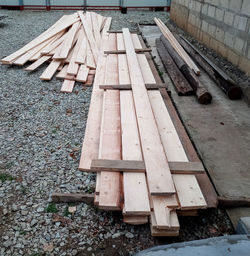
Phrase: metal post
(84,5)
(21,5)
(48,5)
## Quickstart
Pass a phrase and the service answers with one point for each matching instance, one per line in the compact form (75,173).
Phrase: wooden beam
(158,172)
(179,81)
(203,96)
(233,202)
(139,166)
(72,198)
(129,86)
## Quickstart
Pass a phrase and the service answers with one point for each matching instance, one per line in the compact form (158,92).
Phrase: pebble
(129,235)
(40,209)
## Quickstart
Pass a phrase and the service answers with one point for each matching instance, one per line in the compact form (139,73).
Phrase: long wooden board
(110,137)
(135,190)
(158,172)
(139,166)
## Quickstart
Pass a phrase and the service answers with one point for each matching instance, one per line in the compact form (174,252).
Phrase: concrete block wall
(223,25)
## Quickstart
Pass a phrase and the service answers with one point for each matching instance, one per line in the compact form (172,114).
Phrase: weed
(66,212)
(52,208)
(5,176)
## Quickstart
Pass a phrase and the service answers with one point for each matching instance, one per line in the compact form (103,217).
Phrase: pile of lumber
(70,46)
(132,143)
(180,67)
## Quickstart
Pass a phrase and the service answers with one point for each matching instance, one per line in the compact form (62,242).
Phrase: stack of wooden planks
(131,142)
(70,46)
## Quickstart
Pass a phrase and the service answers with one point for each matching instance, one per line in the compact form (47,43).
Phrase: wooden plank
(50,70)
(73,66)
(38,63)
(158,172)
(52,46)
(82,74)
(68,42)
(72,198)
(135,190)
(90,62)
(189,193)
(124,52)
(129,86)
(96,29)
(91,140)
(118,165)
(67,86)
(28,55)
(89,81)
(56,28)
(135,220)
(161,232)
(203,180)
(82,53)
(174,222)
(90,36)
(139,166)
(110,137)
(63,74)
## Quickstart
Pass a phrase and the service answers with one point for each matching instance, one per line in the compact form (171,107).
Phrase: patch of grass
(5,176)
(52,208)
(90,190)
(23,233)
(54,131)
(66,212)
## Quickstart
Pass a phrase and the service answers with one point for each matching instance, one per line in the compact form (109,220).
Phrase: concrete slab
(219,246)
(220,131)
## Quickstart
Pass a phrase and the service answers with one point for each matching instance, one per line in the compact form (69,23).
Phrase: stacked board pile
(131,142)
(70,46)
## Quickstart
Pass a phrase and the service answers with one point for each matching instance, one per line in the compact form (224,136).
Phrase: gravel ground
(40,141)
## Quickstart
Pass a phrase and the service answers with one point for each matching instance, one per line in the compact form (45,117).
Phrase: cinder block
(211,11)
(219,34)
(229,40)
(229,18)
(213,44)
(204,9)
(198,6)
(244,64)
(239,45)
(224,3)
(204,26)
(211,30)
(206,39)
(235,5)
(219,14)
(233,57)
(240,22)
(246,7)
(222,49)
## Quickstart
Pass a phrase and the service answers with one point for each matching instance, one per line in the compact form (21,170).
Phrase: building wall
(223,25)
